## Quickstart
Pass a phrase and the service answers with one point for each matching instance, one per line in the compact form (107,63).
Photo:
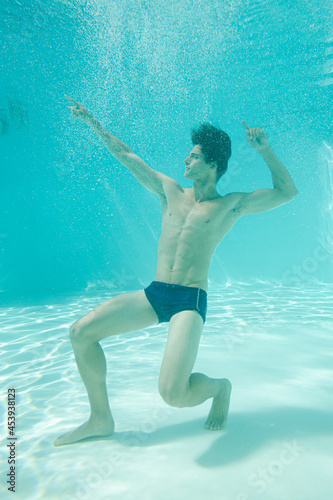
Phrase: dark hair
(215,145)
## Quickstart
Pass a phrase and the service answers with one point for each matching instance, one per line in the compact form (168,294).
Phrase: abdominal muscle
(183,259)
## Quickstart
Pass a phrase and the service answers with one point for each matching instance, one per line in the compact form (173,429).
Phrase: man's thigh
(123,313)
(181,349)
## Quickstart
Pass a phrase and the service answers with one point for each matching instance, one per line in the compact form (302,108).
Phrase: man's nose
(186,161)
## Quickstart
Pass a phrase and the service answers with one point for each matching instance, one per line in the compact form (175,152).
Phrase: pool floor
(274,343)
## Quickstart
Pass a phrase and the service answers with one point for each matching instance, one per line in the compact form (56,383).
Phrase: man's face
(195,165)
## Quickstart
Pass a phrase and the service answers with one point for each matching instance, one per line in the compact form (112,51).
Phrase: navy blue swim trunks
(168,299)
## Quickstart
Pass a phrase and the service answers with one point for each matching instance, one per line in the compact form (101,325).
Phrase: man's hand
(256,137)
(79,111)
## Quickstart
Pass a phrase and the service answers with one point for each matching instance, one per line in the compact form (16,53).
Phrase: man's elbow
(294,194)
(290,195)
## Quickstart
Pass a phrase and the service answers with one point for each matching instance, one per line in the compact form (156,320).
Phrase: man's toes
(214,425)
(209,425)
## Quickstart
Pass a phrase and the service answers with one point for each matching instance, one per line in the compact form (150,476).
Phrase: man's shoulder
(233,197)
(232,200)
(169,183)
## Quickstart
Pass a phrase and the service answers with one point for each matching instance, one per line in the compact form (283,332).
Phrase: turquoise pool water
(76,228)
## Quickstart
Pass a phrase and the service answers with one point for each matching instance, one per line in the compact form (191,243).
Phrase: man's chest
(202,217)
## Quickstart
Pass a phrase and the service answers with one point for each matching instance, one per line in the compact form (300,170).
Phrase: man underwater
(194,222)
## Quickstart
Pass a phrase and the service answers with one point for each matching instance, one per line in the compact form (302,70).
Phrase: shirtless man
(194,222)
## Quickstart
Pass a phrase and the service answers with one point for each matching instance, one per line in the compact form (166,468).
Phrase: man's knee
(74,331)
(172,394)
(79,331)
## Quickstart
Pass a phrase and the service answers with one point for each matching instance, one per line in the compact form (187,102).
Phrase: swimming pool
(274,344)
(78,229)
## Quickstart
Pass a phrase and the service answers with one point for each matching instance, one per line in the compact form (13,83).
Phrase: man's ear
(213,165)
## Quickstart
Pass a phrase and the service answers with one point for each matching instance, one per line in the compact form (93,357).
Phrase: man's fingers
(76,103)
(245,125)
(67,97)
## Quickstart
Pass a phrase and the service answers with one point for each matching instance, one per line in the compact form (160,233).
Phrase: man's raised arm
(149,178)
(263,200)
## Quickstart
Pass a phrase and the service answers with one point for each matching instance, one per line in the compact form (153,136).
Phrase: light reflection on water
(273,342)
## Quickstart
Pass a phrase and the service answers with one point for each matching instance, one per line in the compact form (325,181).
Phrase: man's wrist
(92,121)
(267,151)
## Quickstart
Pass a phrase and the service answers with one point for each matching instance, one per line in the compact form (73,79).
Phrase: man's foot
(91,428)
(220,406)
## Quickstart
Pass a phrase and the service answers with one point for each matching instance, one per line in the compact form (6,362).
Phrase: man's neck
(204,192)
